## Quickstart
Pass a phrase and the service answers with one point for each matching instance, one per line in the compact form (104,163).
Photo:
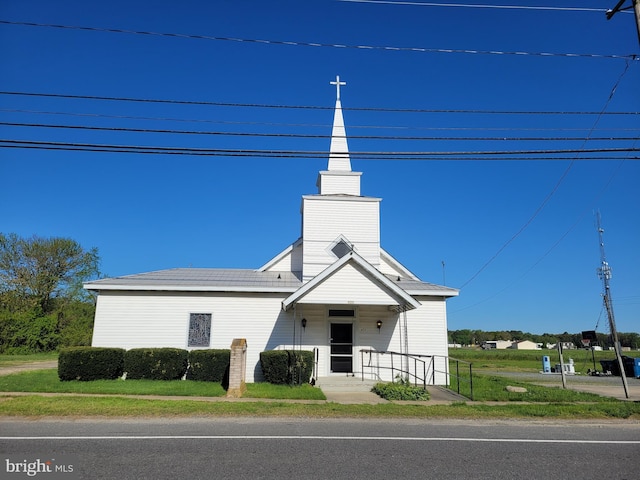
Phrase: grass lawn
(537,402)
(487,388)
(11,360)
(526,360)
(47,381)
(37,407)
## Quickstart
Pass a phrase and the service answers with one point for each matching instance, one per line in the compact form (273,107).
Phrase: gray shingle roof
(236,280)
(416,287)
(201,279)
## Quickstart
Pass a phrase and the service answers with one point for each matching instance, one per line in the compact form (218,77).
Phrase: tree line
(469,337)
(42,303)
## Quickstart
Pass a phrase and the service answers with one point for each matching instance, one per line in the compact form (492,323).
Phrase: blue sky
(148,212)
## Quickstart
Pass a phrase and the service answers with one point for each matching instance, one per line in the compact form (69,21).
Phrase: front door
(341,343)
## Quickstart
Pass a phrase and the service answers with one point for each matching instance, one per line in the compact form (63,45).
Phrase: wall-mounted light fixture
(304,323)
(379,325)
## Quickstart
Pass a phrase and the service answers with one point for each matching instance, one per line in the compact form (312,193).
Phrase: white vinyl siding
(335,183)
(161,319)
(326,219)
(289,262)
(349,286)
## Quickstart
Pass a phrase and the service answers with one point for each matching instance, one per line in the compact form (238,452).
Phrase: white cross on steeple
(337,83)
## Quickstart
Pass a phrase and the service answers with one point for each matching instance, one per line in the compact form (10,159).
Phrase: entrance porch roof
(352,280)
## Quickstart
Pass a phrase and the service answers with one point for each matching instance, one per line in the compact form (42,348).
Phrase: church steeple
(338,179)
(339,151)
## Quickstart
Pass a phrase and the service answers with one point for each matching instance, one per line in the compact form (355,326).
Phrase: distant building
(506,344)
(497,344)
(525,345)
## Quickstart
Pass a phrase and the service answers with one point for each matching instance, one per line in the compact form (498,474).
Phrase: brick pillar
(237,368)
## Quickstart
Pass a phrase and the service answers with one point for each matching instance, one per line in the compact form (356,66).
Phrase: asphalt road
(246,448)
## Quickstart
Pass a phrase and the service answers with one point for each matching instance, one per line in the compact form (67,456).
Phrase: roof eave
(187,288)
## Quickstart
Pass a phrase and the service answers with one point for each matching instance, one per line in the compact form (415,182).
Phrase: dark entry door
(341,347)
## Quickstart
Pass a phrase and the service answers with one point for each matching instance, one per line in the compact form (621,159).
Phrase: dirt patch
(9,369)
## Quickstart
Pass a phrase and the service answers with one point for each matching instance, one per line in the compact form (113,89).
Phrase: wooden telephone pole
(635,4)
(604,272)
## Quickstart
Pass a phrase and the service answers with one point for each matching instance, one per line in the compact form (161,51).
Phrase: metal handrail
(428,368)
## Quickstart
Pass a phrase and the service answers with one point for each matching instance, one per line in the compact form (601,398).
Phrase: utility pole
(604,272)
(635,4)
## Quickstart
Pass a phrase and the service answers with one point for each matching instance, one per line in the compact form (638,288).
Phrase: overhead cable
(479,5)
(556,186)
(364,155)
(317,125)
(304,135)
(316,44)
(312,107)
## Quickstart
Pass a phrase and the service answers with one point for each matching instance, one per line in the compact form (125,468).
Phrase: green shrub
(156,363)
(401,389)
(209,365)
(75,323)
(90,363)
(287,366)
(28,332)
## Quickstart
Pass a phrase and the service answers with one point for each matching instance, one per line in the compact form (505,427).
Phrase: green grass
(47,381)
(538,402)
(11,360)
(487,388)
(525,360)
(36,407)
(282,392)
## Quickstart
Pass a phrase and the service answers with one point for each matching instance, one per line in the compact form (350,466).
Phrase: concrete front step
(344,384)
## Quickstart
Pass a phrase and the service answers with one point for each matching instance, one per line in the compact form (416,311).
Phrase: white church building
(334,291)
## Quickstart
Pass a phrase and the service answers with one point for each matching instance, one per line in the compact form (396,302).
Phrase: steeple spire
(338,179)
(339,151)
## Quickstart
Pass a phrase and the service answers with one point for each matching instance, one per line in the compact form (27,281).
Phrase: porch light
(379,325)
(304,323)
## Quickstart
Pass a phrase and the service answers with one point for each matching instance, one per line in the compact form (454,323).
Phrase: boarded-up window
(199,329)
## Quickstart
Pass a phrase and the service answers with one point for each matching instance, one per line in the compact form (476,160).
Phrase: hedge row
(90,363)
(156,363)
(94,363)
(292,367)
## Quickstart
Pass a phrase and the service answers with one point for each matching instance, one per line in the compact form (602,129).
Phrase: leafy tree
(629,340)
(462,337)
(36,271)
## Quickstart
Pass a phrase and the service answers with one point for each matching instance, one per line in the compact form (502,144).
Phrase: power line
(265,153)
(305,135)
(555,188)
(315,44)
(317,125)
(312,107)
(478,5)
(553,247)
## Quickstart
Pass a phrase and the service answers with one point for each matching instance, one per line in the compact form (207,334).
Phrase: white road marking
(321,437)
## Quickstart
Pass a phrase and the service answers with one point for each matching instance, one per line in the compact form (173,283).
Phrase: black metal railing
(420,369)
